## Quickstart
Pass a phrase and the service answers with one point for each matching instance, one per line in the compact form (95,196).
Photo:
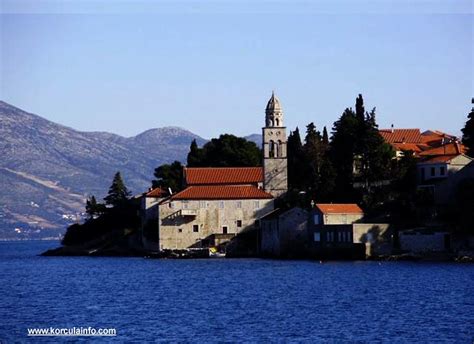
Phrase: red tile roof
(339,208)
(452,148)
(401,135)
(410,147)
(221,192)
(156,192)
(439,159)
(223,175)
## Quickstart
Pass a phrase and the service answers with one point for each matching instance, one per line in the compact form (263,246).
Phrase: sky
(210,66)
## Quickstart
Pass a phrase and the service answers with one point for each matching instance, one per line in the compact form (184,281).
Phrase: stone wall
(421,242)
(186,224)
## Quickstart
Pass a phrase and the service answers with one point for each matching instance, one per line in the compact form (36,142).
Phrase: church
(218,203)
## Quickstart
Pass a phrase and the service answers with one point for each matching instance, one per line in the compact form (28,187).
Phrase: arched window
(279,149)
(271,149)
(277,122)
(269,123)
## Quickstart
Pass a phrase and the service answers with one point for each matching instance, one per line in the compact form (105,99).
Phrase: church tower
(275,168)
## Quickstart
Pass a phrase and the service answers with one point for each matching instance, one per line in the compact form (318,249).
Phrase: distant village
(276,211)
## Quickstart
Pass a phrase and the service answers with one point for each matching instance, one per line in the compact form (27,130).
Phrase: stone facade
(219,203)
(284,233)
(275,149)
(187,224)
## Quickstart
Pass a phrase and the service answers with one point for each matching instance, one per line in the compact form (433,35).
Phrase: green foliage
(111,224)
(359,153)
(169,176)
(468,133)
(118,192)
(194,155)
(296,161)
(225,151)
(94,209)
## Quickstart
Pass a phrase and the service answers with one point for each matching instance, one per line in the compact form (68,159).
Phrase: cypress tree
(118,192)
(194,155)
(296,161)
(468,133)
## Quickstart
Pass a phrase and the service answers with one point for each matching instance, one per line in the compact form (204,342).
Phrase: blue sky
(210,67)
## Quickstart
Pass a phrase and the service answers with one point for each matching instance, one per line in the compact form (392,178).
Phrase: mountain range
(47,169)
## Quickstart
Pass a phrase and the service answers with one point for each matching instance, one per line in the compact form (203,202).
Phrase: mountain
(47,170)
(257,138)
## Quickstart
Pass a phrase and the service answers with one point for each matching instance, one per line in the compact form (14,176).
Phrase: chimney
(392,129)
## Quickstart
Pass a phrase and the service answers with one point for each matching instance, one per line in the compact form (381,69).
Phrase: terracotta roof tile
(401,135)
(409,146)
(221,192)
(156,192)
(223,175)
(339,208)
(438,159)
(447,149)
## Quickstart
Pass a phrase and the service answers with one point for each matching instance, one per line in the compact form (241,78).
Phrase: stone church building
(218,203)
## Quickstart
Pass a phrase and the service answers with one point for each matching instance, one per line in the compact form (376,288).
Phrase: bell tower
(275,168)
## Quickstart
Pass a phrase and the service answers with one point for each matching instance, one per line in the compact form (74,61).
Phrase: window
(442,171)
(202,204)
(256,204)
(271,149)
(339,237)
(433,171)
(221,204)
(185,204)
(180,230)
(239,223)
(224,229)
(317,236)
(422,173)
(239,204)
(171,205)
(330,236)
(195,228)
(316,219)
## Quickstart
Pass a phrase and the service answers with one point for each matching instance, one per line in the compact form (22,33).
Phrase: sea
(230,300)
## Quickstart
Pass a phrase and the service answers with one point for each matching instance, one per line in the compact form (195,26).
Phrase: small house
(284,233)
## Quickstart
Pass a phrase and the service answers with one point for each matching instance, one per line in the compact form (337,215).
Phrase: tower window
(277,122)
(271,147)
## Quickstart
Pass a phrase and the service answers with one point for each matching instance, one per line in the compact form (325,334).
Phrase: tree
(296,161)
(194,155)
(468,133)
(325,137)
(342,151)
(225,151)
(169,176)
(118,192)
(94,209)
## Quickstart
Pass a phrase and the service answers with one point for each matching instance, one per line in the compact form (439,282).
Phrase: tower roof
(273,103)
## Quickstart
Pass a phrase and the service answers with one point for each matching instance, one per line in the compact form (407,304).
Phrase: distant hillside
(47,170)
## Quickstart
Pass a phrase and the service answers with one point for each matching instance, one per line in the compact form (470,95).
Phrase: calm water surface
(234,300)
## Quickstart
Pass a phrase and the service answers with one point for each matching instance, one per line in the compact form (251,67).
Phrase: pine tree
(468,133)
(93,208)
(118,192)
(169,176)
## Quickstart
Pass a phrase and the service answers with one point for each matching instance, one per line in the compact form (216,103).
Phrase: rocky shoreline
(117,251)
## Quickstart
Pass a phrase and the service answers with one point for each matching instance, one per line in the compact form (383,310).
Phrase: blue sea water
(233,300)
